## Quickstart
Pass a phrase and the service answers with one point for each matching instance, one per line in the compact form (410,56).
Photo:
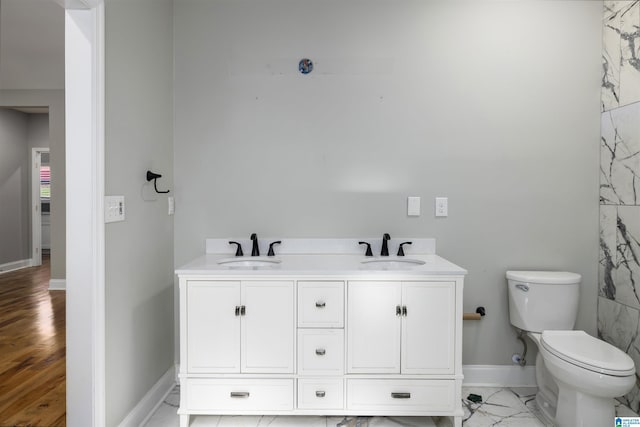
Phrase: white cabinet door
(268,327)
(428,327)
(213,329)
(373,327)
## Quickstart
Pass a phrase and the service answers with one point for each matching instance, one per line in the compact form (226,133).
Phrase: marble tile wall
(619,269)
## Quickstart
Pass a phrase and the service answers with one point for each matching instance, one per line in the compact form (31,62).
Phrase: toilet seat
(580,349)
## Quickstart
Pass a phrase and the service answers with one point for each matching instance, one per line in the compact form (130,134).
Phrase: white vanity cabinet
(304,342)
(401,327)
(239,326)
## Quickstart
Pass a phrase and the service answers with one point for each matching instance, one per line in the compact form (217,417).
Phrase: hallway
(32,349)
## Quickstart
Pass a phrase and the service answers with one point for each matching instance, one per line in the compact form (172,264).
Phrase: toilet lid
(581,349)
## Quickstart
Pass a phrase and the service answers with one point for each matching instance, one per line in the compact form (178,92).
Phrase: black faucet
(238,248)
(255,250)
(400,250)
(385,248)
(270,252)
(368,252)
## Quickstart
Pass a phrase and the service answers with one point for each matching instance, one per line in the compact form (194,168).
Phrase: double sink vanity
(321,329)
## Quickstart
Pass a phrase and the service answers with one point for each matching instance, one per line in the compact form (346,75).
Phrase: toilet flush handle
(522,287)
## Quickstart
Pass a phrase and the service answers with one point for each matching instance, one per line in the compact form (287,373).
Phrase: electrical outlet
(171,204)
(442,206)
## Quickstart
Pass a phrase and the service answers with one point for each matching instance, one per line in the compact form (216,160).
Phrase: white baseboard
(58,284)
(141,413)
(499,376)
(15,265)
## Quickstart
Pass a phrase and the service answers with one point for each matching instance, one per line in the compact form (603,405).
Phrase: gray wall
(37,131)
(54,99)
(139,251)
(492,104)
(32,75)
(14,187)
(31,45)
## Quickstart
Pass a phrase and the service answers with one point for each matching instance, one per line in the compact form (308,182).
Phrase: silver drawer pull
(401,395)
(320,304)
(320,351)
(320,393)
(242,394)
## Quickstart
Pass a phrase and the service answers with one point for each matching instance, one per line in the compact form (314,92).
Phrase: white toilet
(578,375)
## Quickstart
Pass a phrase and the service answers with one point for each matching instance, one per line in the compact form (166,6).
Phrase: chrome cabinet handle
(320,304)
(398,310)
(237,310)
(243,310)
(320,393)
(404,310)
(401,395)
(320,351)
(240,394)
(522,287)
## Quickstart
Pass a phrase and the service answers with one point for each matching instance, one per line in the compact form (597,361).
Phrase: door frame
(36,213)
(84,103)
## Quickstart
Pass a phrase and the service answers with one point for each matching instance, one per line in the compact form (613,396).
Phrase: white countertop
(323,264)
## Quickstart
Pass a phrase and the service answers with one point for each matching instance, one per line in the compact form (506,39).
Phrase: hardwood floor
(32,350)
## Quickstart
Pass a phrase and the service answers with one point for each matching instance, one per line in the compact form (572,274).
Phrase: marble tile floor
(505,407)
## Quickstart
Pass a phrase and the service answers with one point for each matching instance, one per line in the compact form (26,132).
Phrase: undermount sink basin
(392,263)
(248,262)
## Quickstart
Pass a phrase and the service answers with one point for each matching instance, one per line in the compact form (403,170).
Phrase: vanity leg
(184,420)
(457,421)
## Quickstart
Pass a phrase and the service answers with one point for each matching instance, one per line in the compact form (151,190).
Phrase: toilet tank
(543,300)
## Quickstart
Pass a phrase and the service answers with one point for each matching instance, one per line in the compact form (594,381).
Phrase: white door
(373,327)
(428,326)
(268,327)
(213,328)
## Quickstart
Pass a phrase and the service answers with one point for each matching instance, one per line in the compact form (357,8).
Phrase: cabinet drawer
(320,351)
(239,394)
(317,393)
(418,396)
(320,304)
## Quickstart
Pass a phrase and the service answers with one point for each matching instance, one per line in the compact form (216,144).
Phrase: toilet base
(546,408)
(576,409)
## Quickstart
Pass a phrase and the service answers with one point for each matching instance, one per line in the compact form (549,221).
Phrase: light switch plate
(413,206)
(442,206)
(113,209)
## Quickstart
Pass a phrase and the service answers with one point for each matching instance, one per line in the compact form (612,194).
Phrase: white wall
(139,251)
(14,187)
(494,104)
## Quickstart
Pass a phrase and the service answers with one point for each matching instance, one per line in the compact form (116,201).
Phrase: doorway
(40,204)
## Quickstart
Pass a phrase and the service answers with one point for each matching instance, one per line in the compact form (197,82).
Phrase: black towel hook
(154,177)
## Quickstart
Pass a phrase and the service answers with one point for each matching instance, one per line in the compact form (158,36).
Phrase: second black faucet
(385,247)
(255,250)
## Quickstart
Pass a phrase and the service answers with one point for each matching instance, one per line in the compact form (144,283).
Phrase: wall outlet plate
(113,209)
(442,206)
